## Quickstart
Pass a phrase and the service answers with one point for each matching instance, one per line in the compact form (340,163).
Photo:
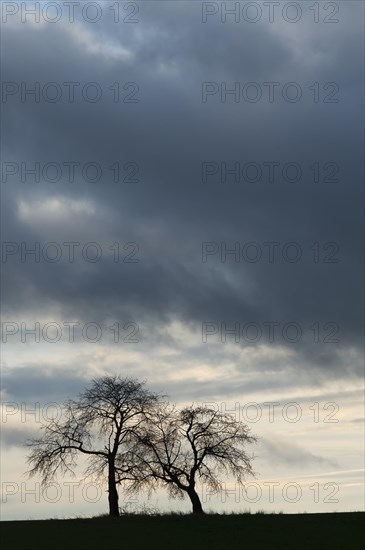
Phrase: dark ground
(335,531)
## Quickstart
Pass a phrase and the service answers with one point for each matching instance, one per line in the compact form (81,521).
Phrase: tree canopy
(195,444)
(100,424)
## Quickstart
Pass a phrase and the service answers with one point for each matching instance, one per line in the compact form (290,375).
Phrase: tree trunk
(195,501)
(112,490)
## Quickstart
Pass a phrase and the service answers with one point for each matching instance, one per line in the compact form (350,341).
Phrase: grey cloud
(42,384)
(281,452)
(16,437)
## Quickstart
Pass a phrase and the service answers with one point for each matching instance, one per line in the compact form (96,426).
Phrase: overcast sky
(191,183)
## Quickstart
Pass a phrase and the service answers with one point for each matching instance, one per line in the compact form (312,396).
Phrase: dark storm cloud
(170,212)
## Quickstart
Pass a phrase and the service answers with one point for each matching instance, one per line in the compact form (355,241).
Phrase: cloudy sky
(182,202)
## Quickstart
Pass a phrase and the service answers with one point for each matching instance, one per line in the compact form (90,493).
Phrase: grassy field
(336,531)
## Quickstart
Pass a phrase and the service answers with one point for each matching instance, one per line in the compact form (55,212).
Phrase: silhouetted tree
(101,425)
(181,447)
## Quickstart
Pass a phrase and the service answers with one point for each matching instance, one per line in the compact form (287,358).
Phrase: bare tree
(182,447)
(101,425)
